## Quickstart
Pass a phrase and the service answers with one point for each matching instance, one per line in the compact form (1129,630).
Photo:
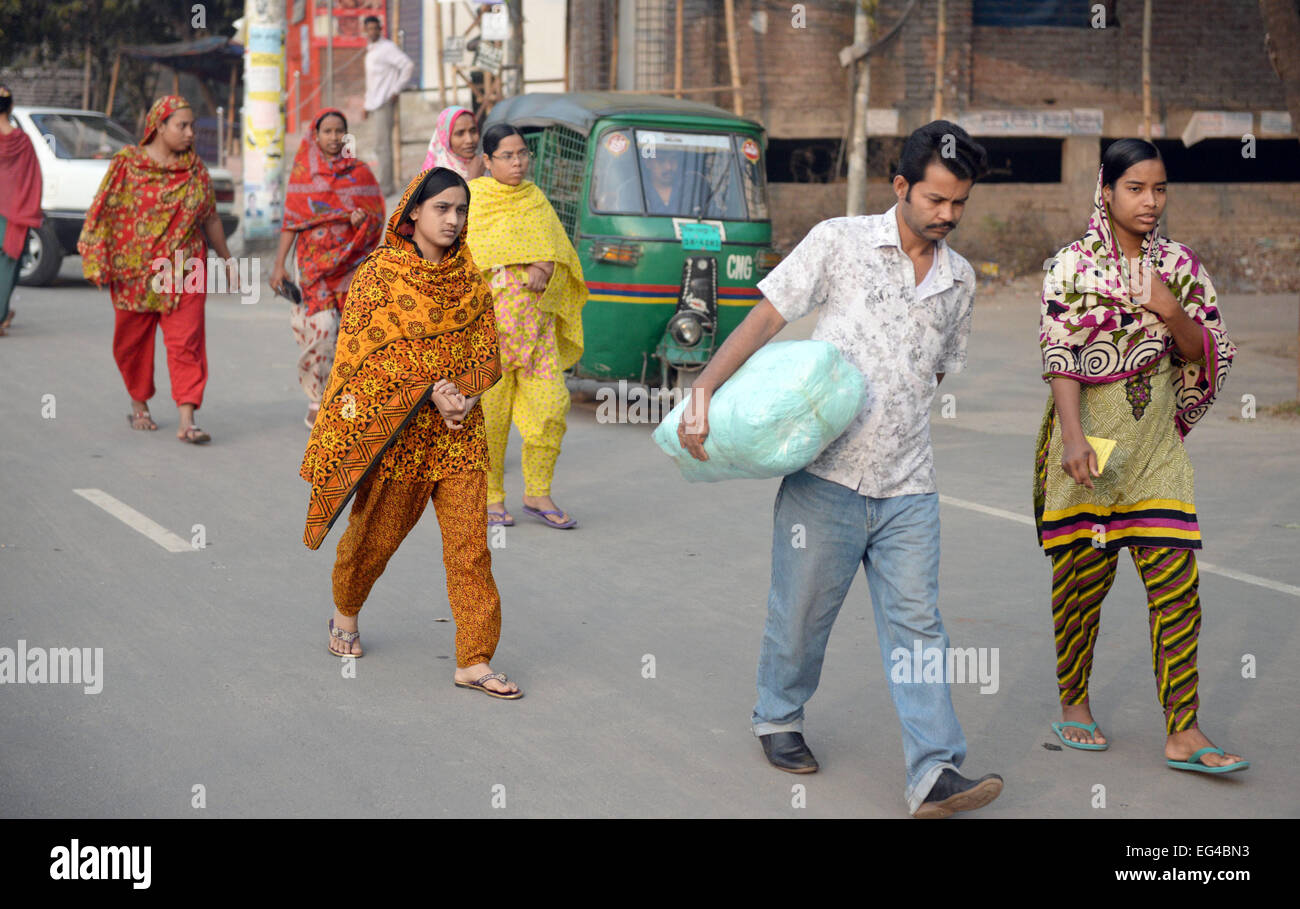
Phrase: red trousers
(187,358)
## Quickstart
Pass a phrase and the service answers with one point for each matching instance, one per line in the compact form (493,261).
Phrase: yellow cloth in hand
(1103,447)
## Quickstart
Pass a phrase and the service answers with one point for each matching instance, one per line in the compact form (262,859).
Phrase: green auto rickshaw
(666,203)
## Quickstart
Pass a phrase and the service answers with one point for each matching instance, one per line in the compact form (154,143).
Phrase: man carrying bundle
(897,303)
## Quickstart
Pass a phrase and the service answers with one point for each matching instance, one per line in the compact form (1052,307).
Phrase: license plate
(701,236)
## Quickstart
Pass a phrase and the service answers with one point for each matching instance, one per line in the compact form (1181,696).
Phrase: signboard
(495,24)
(1275,122)
(1217,124)
(453,50)
(1077,122)
(489,57)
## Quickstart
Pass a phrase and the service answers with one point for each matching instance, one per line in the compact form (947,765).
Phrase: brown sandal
(194,436)
(348,638)
(141,420)
(500,677)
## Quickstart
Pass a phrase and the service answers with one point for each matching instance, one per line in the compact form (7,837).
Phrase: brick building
(1043,84)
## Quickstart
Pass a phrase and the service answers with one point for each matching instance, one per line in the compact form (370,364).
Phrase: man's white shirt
(387,70)
(854,272)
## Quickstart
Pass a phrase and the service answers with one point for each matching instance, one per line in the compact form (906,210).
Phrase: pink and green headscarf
(1094,331)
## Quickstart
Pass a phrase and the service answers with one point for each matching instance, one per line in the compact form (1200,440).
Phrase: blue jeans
(822,531)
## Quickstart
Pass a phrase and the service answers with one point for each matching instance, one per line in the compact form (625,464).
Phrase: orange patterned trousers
(383,513)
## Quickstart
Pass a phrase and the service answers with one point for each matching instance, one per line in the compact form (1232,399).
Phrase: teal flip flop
(1090,728)
(1194,763)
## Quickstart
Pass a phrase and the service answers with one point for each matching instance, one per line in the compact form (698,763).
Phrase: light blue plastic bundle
(774,416)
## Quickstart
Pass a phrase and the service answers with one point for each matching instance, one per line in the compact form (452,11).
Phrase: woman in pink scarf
(455,143)
(20,203)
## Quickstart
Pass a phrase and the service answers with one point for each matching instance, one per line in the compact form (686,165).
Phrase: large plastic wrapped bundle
(774,416)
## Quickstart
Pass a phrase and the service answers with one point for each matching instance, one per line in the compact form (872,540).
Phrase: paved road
(214,664)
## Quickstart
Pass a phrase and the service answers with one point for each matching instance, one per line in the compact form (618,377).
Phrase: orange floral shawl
(407,323)
(145,211)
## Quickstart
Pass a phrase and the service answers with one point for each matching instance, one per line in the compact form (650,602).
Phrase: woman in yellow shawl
(538,292)
(398,425)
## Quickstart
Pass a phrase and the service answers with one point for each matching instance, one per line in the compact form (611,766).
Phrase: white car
(74,148)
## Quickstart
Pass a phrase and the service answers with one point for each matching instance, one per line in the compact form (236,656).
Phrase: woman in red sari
(334,208)
(20,203)
(156,207)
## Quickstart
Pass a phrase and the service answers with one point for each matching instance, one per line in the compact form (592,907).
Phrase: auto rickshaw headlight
(686,328)
(616,252)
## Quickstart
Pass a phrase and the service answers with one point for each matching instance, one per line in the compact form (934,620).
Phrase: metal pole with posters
(263,119)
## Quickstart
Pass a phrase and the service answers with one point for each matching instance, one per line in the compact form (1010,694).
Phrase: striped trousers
(1081,577)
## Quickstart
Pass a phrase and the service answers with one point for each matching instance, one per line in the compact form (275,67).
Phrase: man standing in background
(387,70)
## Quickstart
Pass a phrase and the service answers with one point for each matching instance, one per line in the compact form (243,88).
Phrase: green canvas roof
(581,110)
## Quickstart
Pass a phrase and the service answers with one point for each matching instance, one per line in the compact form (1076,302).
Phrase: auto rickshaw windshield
(679,174)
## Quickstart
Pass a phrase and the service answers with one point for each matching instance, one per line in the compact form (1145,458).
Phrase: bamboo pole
(1146,70)
(856,196)
(230,111)
(329,53)
(677,59)
(112,84)
(940,47)
(442,76)
(85,80)
(568,23)
(613,52)
(737,102)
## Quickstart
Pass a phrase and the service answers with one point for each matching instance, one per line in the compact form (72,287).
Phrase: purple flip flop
(498,519)
(542,516)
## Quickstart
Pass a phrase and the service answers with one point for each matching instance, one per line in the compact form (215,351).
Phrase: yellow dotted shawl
(515,225)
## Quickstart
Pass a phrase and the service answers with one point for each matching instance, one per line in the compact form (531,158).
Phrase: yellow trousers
(537,407)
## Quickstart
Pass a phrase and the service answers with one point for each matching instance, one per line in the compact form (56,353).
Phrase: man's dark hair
(375,19)
(6,100)
(1122,154)
(947,143)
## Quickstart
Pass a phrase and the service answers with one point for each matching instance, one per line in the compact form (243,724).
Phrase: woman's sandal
(1194,763)
(194,436)
(500,677)
(542,516)
(141,420)
(500,519)
(347,637)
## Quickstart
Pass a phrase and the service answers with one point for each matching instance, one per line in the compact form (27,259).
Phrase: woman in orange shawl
(144,237)
(399,423)
(335,211)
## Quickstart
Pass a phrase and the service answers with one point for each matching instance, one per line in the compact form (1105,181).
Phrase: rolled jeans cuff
(916,793)
(770,728)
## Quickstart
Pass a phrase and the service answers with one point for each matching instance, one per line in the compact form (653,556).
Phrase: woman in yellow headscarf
(398,425)
(538,292)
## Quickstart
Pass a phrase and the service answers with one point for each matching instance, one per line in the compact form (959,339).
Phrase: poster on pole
(489,57)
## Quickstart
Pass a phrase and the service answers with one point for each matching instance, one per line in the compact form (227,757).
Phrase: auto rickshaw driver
(662,189)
